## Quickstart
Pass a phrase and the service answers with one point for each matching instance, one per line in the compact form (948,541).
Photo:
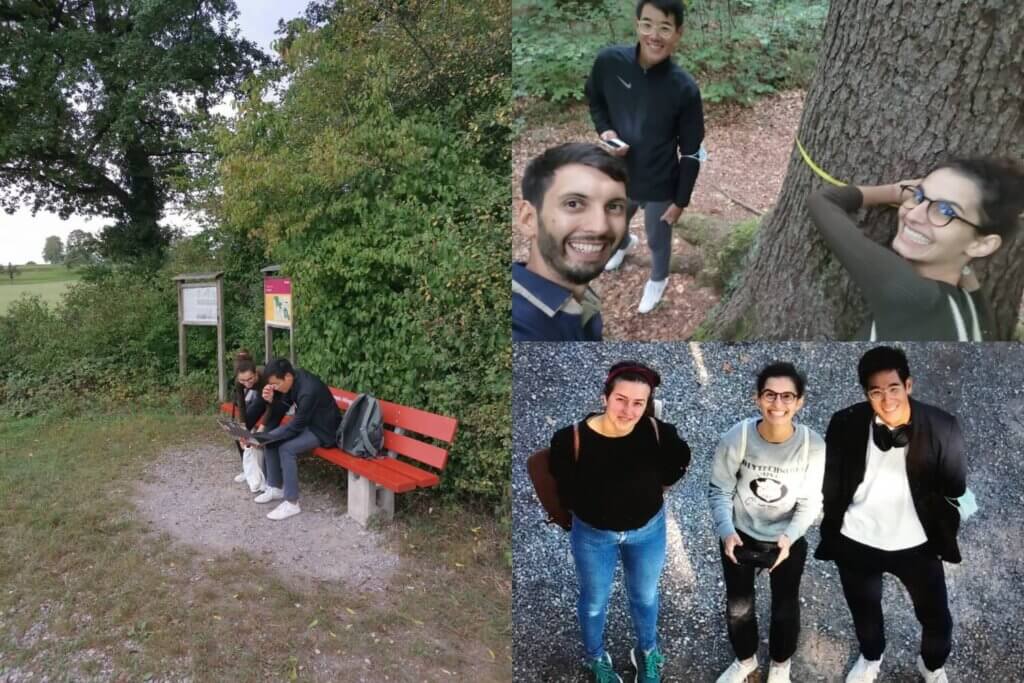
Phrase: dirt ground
(748,150)
(190,495)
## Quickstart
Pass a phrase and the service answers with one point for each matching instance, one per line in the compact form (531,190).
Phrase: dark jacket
(936,470)
(315,410)
(658,113)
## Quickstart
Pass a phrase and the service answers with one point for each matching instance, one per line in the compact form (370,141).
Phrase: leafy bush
(737,50)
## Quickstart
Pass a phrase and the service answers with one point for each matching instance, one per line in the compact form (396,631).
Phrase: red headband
(650,377)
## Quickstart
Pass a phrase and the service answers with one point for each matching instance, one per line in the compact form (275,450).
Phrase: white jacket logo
(625,83)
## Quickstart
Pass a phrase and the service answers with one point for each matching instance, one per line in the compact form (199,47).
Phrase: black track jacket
(658,113)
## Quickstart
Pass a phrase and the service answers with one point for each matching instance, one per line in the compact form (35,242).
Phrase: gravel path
(707,388)
(190,495)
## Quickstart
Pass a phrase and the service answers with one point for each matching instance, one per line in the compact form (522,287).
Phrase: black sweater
(658,113)
(617,482)
(315,410)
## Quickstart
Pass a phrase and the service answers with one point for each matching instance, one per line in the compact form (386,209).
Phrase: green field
(48,282)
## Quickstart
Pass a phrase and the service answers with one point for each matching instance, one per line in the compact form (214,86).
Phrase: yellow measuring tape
(817,169)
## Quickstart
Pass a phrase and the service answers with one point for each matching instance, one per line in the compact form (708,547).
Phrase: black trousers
(921,573)
(741,613)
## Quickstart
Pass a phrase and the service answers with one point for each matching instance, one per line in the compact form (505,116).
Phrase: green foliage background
(373,165)
(737,49)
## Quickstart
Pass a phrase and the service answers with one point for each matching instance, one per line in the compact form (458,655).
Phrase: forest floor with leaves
(748,150)
(128,554)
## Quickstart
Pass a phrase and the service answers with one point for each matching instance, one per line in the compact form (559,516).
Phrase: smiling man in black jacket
(894,468)
(315,423)
(640,97)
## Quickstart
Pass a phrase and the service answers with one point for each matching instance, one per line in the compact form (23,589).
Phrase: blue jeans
(281,462)
(597,553)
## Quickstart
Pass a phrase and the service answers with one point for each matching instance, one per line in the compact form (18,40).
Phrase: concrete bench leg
(366,500)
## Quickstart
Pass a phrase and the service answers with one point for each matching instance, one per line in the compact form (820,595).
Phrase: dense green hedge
(378,178)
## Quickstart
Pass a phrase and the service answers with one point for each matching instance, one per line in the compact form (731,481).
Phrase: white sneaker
(778,672)
(616,260)
(937,676)
(284,511)
(270,494)
(240,478)
(652,294)
(864,670)
(738,671)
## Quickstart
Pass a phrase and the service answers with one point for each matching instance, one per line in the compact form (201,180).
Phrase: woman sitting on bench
(922,289)
(249,404)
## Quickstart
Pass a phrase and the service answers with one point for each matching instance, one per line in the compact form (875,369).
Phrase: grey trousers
(281,461)
(659,234)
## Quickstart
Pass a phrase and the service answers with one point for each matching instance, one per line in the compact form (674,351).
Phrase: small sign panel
(277,298)
(200,305)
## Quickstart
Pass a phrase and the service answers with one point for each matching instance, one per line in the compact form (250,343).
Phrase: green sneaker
(648,666)
(603,671)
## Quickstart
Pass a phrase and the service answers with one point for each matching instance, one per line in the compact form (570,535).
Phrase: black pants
(741,614)
(921,573)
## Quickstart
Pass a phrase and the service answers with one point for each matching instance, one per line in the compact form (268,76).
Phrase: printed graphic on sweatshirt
(768,490)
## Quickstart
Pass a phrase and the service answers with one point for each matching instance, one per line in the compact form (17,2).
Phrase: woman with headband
(922,288)
(611,470)
(765,492)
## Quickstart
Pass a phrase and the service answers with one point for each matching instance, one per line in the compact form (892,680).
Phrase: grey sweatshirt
(771,489)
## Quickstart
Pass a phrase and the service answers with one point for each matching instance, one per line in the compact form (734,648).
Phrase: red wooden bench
(372,484)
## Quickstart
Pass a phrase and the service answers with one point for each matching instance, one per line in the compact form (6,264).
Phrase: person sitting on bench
(315,423)
(249,403)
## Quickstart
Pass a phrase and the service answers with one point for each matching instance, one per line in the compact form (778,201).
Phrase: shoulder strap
(975,321)
(874,332)
(743,439)
(807,443)
(958,320)
(657,434)
(576,442)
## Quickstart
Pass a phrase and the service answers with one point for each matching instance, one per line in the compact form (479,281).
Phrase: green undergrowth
(89,592)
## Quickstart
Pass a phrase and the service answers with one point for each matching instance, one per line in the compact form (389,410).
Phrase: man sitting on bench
(315,423)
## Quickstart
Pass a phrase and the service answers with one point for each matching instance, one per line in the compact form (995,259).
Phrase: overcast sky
(22,236)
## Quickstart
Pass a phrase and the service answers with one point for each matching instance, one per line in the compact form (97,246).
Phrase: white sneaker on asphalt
(652,294)
(937,676)
(864,670)
(284,511)
(778,672)
(270,494)
(616,260)
(240,478)
(738,671)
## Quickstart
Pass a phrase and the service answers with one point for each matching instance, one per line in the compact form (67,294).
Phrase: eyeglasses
(787,397)
(940,212)
(894,391)
(247,380)
(647,28)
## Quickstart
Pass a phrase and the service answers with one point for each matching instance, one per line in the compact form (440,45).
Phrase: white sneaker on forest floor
(240,478)
(864,670)
(937,676)
(616,260)
(653,291)
(778,672)
(284,511)
(269,494)
(738,671)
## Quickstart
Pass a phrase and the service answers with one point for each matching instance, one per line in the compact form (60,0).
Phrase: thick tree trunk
(900,85)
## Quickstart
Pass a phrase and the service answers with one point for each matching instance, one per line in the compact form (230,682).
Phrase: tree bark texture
(900,85)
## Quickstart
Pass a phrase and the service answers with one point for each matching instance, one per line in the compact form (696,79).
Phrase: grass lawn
(49,282)
(86,592)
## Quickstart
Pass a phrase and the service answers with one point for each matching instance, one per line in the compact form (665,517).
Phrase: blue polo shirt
(545,311)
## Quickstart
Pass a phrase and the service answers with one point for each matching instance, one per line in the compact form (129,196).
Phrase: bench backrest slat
(417,450)
(410,419)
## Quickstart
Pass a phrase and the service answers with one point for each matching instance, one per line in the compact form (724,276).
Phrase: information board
(199,305)
(277,301)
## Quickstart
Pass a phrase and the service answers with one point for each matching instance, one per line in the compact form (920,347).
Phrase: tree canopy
(104,105)
(53,250)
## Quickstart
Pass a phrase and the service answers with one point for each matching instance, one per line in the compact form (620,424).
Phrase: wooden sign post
(201,302)
(277,310)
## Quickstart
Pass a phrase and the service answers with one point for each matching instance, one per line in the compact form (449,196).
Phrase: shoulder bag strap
(975,321)
(576,442)
(657,434)
(958,320)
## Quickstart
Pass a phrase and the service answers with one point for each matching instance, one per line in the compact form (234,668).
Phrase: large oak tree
(900,85)
(103,104)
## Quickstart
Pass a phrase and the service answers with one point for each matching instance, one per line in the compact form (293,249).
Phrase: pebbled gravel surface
(707,388)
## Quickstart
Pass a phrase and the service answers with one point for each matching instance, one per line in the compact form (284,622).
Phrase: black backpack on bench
(361,432)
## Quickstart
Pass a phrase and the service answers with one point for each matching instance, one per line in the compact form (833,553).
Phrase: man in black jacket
(315,423)
(640,97)
(894,468)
